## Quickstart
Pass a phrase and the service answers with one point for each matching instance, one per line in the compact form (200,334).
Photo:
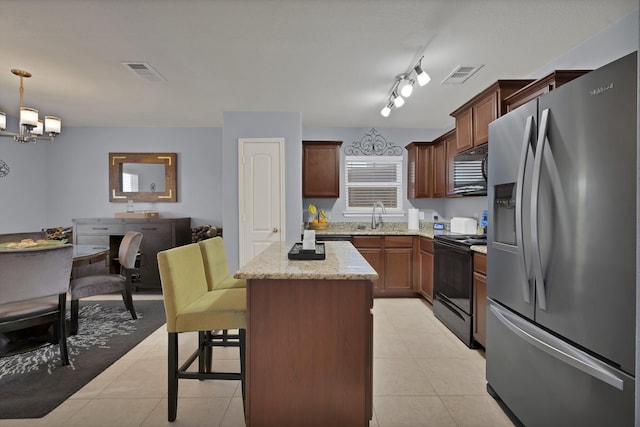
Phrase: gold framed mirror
(142,177)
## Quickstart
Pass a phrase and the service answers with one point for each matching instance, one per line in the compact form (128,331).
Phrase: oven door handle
(452,247)
(527,141)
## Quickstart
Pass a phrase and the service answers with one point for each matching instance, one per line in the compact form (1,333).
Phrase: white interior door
(261,194)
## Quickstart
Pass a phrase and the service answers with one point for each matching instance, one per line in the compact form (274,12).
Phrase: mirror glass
(136,177)
(142,177)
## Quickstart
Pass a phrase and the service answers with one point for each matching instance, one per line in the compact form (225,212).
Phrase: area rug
(33,384)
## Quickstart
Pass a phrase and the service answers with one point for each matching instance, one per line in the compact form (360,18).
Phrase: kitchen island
(309,338)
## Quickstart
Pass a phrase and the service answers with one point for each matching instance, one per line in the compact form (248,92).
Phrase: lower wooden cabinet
(393,258)
(480,298)
(425,258)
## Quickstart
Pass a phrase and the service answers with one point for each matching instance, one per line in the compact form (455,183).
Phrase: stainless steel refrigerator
(561,265)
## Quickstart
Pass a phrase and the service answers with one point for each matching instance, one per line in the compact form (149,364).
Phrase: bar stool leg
(172,375)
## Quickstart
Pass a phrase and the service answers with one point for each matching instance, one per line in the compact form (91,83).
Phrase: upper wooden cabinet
(451,143)
(321,169)
(419,170)
(541,86)
(473,118)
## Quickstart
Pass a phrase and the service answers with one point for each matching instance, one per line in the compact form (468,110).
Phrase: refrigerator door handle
(556,348)
(535,193)
(524,265)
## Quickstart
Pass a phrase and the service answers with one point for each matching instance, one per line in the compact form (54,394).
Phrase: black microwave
(470,172)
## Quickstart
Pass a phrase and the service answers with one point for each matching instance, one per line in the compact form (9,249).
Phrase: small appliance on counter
(463,225)
(413,219)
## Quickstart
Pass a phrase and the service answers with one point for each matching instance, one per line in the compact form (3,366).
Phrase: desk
(309,338)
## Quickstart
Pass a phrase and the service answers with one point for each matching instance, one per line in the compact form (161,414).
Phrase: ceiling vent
(144,71)
(460,74)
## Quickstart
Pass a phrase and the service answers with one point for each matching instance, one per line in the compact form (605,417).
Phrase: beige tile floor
(423,376)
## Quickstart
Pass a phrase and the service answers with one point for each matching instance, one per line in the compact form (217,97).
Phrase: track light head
(421,75)
(386,110)
(407,88)
(398,101)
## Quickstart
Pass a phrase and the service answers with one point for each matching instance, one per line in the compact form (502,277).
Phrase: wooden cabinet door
(439,163)
(411,172)
(398,264)
(484,112)
(424,172)
(419,170)
(375,257)
(372,249)
(464,131)
(398,269)
(426,269)
(321,169)
(451,152)
(480,308)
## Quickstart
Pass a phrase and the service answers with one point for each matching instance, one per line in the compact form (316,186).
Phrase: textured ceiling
(333,61)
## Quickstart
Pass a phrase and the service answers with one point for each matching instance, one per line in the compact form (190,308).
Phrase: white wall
(69,179)
(23,192)
(261,125)
(399,137)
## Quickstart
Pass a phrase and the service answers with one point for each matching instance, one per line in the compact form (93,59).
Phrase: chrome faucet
(374,223)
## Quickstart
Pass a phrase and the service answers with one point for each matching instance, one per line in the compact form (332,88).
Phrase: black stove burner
(463,239)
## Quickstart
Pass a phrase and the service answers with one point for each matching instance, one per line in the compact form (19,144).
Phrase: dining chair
(33,290)
(191,307)
(96,284)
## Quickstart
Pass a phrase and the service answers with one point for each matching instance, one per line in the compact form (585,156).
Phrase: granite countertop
(387,228)
(342,262)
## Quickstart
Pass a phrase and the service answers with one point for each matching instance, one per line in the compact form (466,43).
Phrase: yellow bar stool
(216,266)
(190,306)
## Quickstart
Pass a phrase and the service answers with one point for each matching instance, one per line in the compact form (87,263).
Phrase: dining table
(88,254)
(33,337)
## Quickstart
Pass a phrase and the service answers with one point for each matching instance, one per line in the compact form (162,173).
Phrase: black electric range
(453,282)
(462,240)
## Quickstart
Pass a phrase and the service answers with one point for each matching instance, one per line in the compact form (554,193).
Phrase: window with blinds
(371,179)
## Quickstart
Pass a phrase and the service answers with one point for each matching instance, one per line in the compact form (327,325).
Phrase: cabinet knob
(275,229)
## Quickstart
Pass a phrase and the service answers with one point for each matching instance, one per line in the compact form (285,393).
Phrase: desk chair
(97,284)
(191,307)
(33,290)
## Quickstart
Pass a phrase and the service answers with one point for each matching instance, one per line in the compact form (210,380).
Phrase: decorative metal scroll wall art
(4,169)
(373,144)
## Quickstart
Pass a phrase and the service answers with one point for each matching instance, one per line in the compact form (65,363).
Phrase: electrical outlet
(421,216)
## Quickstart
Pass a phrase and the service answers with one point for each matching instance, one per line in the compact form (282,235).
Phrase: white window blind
(371,179)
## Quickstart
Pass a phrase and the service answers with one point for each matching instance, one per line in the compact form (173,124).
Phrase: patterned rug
(34,383)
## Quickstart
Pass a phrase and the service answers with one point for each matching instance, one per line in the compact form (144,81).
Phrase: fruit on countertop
(312,209)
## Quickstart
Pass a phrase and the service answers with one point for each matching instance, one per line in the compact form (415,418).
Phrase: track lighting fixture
(421,75)
(403,87)
(398,101)
(407,88)
(386,110)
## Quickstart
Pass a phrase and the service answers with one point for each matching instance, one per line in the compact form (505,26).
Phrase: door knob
(275,229)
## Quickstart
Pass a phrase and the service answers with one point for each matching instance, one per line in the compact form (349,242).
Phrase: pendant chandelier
(30,127)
